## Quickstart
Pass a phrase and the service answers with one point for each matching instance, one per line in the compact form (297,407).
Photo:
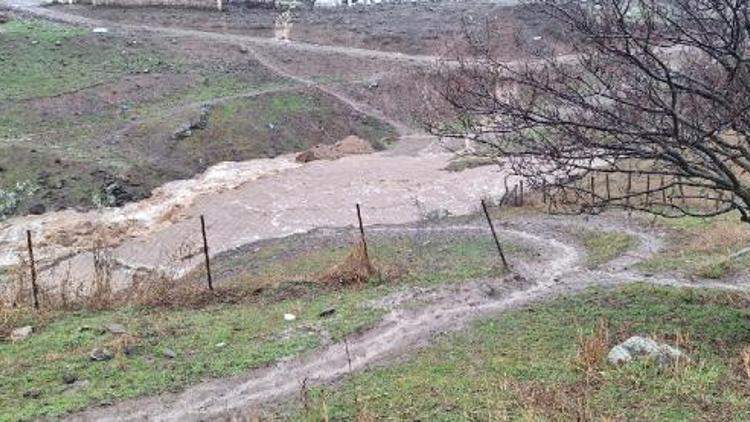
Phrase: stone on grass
(169,353)
(221,345)
(289,317)
(37,209)
(326,313)
(100,354)
(69,379)
(116,329)
(638,347)
(21,333)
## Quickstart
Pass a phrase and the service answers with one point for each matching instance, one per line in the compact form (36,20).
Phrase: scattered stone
(32,394)
(4,18)
(130,349)
(116,329)
(221,345)
(169,353)
(100,355)
(243,49)
(21,333)
(328,312)
(638,347)
(37,209)
(83,328)
(100,30)
(69,379)
(289,317)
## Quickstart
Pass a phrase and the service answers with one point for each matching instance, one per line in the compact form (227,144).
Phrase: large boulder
(638,347)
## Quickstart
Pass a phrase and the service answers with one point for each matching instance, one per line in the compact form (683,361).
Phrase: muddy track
(35,9)
(416,316)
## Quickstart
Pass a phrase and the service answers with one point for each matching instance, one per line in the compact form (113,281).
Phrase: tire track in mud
(417,315)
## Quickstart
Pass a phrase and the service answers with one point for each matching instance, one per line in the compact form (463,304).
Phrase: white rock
(289,317)
(100,30)
(642,347)
(21,333)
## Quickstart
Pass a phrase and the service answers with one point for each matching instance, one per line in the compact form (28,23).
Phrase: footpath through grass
(529,365)
(50,373)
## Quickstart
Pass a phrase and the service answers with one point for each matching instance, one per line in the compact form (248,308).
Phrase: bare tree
(654,93)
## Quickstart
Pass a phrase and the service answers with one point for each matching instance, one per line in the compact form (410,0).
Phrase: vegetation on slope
(530,364)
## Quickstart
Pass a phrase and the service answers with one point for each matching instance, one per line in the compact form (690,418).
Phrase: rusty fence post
(494,235)
(205,253)
(593,191)
(362,233)
(32,264)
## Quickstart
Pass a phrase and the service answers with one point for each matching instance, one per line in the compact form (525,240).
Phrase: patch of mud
(416,28)
(351,145)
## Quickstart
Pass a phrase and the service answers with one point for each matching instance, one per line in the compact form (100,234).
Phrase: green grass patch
(522,365)
(40,59)
(604,246)
(436,259)
(254,335)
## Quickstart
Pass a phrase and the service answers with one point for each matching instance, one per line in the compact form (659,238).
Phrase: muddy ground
(420,28)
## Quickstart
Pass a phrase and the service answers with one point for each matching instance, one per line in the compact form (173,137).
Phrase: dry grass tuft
(723,235)
(541,401)
(745,359)
(592,350)
(357,268)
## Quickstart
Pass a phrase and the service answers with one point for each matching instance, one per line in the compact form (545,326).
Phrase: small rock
(83,328)
(21,333)
(289,317)
(32,394)
(100,30)
(69,379)
(130,349)
(116,329)
(243,49)
(37,209)
(169,353)
(327,312)
(100,355)
(4,18)
(221,345)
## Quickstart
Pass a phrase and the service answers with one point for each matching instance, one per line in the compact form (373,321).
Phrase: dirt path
(34,7)
(407,327)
